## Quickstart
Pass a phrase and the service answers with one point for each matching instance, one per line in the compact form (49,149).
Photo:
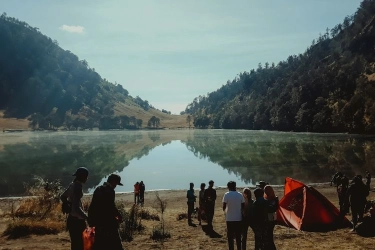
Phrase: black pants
(76,227)
(190,210)
(357,212)
(268,236)
(234,228)
(245,229)
(259,235)
(107,238)
(210,209)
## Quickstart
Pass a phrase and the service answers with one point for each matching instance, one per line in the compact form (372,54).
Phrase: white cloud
(72,28)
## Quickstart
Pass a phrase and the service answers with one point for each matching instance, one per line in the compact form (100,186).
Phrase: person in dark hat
(262,184)
(209,201)
(76,221)
(104,216)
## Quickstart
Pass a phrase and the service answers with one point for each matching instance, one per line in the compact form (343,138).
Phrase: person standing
(104,216)
(357,193)
(247,216)
(233,207)
(209,200)
(136,193)
(368,180)
(260,216)
(76,222)
(272,206)
(190,202)
(142,189)
(201,203)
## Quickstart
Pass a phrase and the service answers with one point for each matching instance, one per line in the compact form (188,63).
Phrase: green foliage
(153,122)
(328,88)
(40,79)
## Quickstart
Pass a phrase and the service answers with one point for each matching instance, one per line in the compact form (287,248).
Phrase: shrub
(132,222)
(147,215)
(40,213)
(25,227)
(159,233)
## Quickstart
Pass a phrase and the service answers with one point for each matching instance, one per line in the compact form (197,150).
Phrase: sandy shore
(187,237)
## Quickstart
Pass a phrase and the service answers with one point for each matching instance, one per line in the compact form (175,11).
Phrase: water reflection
(170,159)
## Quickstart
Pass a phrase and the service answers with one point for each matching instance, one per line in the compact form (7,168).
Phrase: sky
(170,51)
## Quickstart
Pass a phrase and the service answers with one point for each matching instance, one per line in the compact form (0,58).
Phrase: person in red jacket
(136,193)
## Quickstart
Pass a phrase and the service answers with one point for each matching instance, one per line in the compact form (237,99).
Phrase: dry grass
(188,237)
(12,123)
(166,121)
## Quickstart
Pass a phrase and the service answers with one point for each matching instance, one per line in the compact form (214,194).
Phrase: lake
(171,159)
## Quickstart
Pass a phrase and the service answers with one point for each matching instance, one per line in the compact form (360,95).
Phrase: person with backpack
(104,216)
(247,218)
(72,205)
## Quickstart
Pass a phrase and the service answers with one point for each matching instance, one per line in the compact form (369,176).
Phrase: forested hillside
(53,88)
(328,88)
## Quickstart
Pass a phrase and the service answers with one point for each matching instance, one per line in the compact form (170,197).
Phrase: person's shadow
(210,232)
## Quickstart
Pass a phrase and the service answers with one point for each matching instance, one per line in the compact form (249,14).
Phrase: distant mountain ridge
(328,88)
(53,88)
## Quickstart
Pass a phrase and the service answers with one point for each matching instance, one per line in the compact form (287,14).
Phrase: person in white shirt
(233,207)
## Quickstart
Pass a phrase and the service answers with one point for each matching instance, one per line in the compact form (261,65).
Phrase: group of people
(352,194)
(241,212)
(102,213)
(139,193)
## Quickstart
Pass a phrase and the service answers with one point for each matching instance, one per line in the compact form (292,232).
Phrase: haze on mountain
(168,52)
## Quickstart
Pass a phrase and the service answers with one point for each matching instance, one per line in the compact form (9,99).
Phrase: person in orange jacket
(136,193)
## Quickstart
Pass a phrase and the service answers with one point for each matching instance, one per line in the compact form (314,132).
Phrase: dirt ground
(188,237)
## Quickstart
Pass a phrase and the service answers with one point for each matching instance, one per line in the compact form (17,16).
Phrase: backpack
(66,207)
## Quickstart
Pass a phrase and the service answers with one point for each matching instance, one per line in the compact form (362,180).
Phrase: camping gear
(304,208)
(88,238)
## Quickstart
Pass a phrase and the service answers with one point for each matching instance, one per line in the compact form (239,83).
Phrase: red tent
(304,208)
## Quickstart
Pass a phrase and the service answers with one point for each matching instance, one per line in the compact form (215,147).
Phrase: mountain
(328,88)
(52,88)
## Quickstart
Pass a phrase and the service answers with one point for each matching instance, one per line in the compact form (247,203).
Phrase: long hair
(269,193)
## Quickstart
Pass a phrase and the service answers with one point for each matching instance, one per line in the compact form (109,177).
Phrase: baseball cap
(116,178)
(81,171)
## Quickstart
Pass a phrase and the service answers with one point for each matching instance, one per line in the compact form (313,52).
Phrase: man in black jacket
(104,216)
(357,193)
(209,200)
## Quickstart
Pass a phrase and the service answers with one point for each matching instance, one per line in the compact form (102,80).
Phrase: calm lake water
(170,159)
